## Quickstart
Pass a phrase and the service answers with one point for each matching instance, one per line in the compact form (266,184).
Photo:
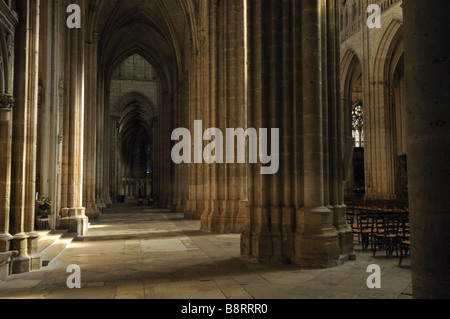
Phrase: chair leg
(404,249)
(374,246)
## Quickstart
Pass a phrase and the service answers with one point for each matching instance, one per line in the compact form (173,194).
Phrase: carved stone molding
(6,101)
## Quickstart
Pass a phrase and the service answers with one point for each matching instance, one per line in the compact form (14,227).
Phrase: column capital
(6,101)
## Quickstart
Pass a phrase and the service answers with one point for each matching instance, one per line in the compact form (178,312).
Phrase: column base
(22,263)
(345,233)
(257,248)
(92,211)
(225,216)
(194,209)
(62,221)
(78,222)
(316,240)
(192,215)
(256,240)
(101,204)
(321,251)
(5,242)
(5,263)
(312,243)
(210,221)
(33,253)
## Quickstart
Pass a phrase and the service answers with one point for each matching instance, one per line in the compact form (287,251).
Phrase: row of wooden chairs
(379,205)
(381,230)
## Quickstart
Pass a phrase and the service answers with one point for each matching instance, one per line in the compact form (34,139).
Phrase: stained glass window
(358,125)
(149,161)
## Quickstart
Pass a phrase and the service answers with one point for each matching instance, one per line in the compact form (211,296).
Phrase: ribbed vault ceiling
(155,29)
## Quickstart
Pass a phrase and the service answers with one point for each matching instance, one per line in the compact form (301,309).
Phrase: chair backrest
(350,217)
(379,222)
(365,220)
(404,231)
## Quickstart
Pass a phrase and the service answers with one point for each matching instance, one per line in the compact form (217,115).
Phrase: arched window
(149,160)
(358,125)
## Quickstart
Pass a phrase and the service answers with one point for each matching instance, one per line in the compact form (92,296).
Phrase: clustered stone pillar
(428,142)
(74,116)
(296,216)
(90,132)
(194,61)
(7,101)
(100,188)
(6,105)
(335,124)
(225,100)
(24,137)
(6,116)
(217,191)
(31,132)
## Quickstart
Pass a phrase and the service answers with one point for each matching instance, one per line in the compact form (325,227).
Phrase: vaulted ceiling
(158,30)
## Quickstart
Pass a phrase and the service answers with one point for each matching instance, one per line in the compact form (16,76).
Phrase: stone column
(21,263)
(428,142)
(31,131)
(235,209)
(213,97)
(316,242)
(6,117)
(53,107)
(75,92)
(100,149)
(6,105)
(272,43)
(208,66)
(256,243)
(195,203)
(336,133)
(90,138)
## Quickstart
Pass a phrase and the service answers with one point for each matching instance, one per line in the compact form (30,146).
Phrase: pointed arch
(351,72)
(381,136)
(4,62)
(390,42)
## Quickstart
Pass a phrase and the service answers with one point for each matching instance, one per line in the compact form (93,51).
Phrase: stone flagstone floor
(139,253)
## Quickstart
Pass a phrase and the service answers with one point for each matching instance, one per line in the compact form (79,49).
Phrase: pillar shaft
(335,134)
(428,143)
(224,209)
(6,104)
(90,135)
(74,120)
(24,135)
(316,242)
(6,116)
(256,240)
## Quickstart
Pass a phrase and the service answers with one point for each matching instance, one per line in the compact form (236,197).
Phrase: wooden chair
(350,216)
(386,233)
(404,239)
(364,228)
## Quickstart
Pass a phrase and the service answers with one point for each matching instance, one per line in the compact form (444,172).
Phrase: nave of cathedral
(88,113)
(142,253)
